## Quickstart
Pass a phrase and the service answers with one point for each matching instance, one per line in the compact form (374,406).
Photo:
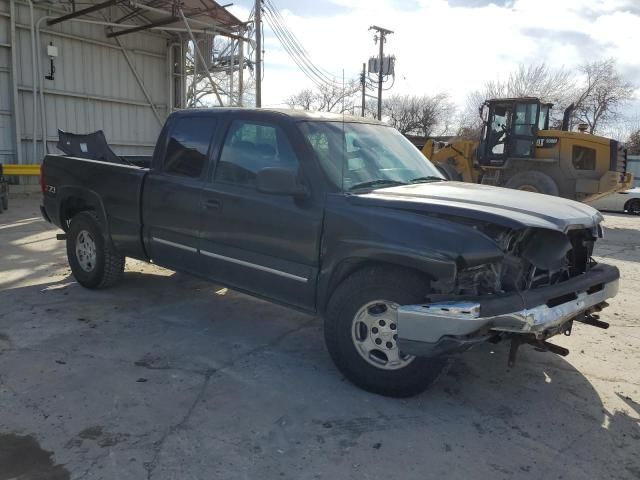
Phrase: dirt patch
(22,457)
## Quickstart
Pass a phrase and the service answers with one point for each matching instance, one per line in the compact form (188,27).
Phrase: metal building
(117,66)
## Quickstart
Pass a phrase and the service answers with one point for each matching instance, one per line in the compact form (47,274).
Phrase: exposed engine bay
(533,258)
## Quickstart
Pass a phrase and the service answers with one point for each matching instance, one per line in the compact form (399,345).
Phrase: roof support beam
(78,13)
(158,23)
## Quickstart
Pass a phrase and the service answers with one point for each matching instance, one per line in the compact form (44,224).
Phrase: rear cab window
(188,146)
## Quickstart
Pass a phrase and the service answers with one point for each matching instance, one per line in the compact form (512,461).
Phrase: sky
(450,46)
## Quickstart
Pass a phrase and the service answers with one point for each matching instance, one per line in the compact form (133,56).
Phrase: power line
(296,51)
(295,42)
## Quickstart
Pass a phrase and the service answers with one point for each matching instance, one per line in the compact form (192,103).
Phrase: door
(522,143)
(171,198)
(497,135)
(262,243)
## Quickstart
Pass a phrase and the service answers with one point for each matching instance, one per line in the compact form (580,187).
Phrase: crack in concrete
(159,444)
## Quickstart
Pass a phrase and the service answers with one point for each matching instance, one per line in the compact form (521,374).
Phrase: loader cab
(510,129)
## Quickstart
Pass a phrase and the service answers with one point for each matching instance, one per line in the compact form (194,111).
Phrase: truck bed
(113,190)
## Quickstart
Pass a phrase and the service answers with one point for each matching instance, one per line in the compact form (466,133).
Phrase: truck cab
(510,129)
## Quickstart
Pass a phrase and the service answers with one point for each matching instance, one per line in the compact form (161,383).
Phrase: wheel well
(628,203)
(70,207)
(351,265)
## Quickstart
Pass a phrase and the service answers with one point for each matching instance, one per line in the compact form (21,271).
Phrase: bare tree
(304,99)
(541,81)
(419,115)
(326,98)
(603,92)
(633,143)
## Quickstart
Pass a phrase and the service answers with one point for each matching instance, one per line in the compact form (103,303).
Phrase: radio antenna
(344,139)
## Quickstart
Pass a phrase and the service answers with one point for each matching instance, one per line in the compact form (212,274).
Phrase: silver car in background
(627,201)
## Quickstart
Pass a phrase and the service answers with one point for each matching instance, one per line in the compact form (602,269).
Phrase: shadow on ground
(174,377)
(166,376)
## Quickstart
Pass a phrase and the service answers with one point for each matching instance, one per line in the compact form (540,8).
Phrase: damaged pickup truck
(337,216)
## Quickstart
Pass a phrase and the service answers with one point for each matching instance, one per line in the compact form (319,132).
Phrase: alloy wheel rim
(86,251)
(374,334)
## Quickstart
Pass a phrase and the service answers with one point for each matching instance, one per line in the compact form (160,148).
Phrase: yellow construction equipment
(518,150)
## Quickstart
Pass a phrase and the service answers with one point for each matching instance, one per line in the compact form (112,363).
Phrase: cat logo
(547,142)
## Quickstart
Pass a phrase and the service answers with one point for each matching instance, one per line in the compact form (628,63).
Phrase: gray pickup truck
(342,217)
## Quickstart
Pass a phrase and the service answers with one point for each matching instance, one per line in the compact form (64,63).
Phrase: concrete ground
(167,377)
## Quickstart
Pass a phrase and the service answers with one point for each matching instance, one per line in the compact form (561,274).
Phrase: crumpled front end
(546,280)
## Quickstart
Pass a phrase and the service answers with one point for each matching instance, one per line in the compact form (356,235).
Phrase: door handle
(212,203)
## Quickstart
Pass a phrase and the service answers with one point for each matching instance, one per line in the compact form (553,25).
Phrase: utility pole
(258,30)
(381,37)
(363,81)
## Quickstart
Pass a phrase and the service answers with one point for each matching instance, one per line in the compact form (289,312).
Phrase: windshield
(360,155)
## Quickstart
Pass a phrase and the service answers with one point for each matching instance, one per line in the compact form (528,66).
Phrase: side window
(188,145)
(250,147)
(583,158)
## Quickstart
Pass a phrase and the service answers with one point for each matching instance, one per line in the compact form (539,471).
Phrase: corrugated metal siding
(7,143)
(94,87)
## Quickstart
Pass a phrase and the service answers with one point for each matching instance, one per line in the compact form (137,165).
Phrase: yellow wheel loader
(518,150)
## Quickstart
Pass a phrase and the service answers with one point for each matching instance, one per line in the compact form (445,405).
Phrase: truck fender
(335,270)
(73,200)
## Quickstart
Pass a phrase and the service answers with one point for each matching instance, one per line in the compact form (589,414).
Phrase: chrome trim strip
(176,245)
(253,265)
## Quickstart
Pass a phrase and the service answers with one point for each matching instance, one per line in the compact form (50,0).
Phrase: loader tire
(533,181)
(93,261)
(449,172)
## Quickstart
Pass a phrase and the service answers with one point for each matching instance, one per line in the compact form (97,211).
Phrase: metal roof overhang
(190,16)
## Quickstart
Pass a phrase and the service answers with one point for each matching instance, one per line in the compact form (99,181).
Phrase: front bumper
(448,327)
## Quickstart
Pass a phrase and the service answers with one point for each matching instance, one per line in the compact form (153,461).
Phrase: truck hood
(503,206)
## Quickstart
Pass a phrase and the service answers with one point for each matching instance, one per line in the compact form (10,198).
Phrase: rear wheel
(532,181)
(633,206)
(94,263)
(361,332)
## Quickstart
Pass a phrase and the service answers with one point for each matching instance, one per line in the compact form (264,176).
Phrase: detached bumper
(447,327)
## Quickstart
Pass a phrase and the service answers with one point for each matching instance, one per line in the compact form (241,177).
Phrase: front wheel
(361,332)
(94,263)
(633,206)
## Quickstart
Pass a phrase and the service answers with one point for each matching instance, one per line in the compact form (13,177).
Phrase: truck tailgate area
(112,190)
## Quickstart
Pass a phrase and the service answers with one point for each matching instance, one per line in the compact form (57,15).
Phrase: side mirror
(280,181)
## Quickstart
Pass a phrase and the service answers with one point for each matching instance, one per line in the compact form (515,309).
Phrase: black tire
(633,206)
(5,202)
(2,207)
(533,181)
(108,267)
(395,285)
(449,172)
